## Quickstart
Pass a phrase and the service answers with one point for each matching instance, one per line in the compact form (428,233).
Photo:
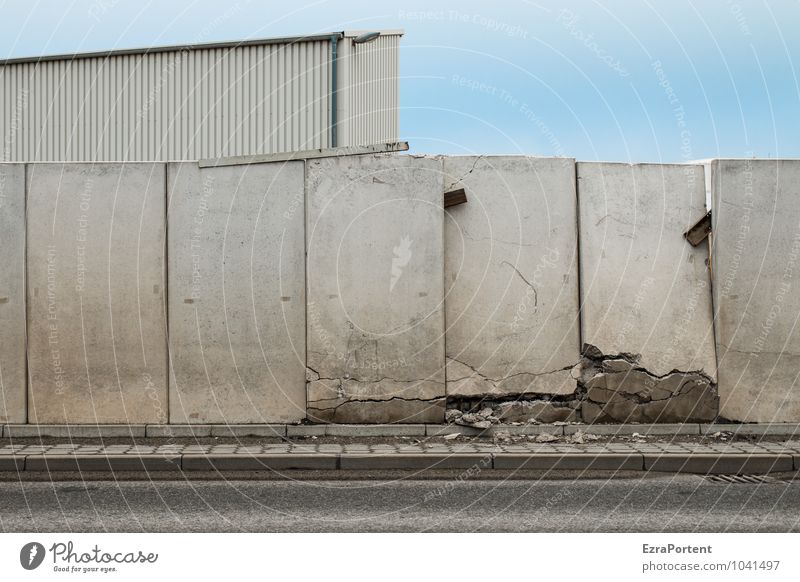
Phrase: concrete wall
(96,321)
(237,293)
(646,294)
(375,265)
(756,271)
(12,293)
(394,296)
(511,277)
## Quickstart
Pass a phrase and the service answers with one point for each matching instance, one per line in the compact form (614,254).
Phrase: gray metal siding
(372,90)
(168,105)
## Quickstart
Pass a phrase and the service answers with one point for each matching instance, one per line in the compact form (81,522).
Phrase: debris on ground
(577,438)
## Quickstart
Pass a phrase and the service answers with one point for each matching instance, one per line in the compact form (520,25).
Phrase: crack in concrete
(495,381)
(528,283)
(472,169)
(372,400)
(693,390)
(594,354)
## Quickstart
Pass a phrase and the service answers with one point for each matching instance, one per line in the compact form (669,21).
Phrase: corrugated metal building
(202,101)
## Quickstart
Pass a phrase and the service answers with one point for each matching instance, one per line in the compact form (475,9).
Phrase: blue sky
(611,80)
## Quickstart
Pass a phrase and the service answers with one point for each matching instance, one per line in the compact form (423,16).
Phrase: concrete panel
(237,293)
(12,293)
(375,289)
(756,270)
(511,274)
(96,321)
(646,294)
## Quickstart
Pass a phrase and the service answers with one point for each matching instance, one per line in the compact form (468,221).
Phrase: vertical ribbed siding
(373,91)
(176,105)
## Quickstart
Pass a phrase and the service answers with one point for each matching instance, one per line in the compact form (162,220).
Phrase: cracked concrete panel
(511,277)
(756,249)
(12,293)
(617,389)
(237,293)
(375,330)
(645,289)
(96,309)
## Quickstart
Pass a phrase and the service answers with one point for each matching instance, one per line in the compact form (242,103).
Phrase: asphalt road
(663,503)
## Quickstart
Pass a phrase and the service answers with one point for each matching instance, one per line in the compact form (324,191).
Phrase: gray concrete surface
(375,264)
(756,236)
(645,289)
(577,451)
(13,366)
(664,503)
(237,293)
(97,348)
(511,276)
(646,295)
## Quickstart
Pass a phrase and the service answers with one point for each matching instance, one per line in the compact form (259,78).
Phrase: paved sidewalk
(690,457)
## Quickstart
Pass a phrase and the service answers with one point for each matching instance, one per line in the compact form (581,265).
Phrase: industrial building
(202,101)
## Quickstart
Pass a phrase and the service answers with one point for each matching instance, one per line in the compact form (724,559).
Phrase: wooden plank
(455,197)
(700,231)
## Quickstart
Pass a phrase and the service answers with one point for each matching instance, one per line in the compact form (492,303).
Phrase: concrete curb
(110,463)
(571,461)
(765,429)
(77,431)
(416,462)
(726,464)
(702,463)
(276,462)
(379,430)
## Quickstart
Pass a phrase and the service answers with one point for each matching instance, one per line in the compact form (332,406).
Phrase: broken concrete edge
(698,463)
(400,146)
(609,389)
(386,430)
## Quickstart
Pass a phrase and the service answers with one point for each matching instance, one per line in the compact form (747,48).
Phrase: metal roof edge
(388,32)
(176,48)
(400,146)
